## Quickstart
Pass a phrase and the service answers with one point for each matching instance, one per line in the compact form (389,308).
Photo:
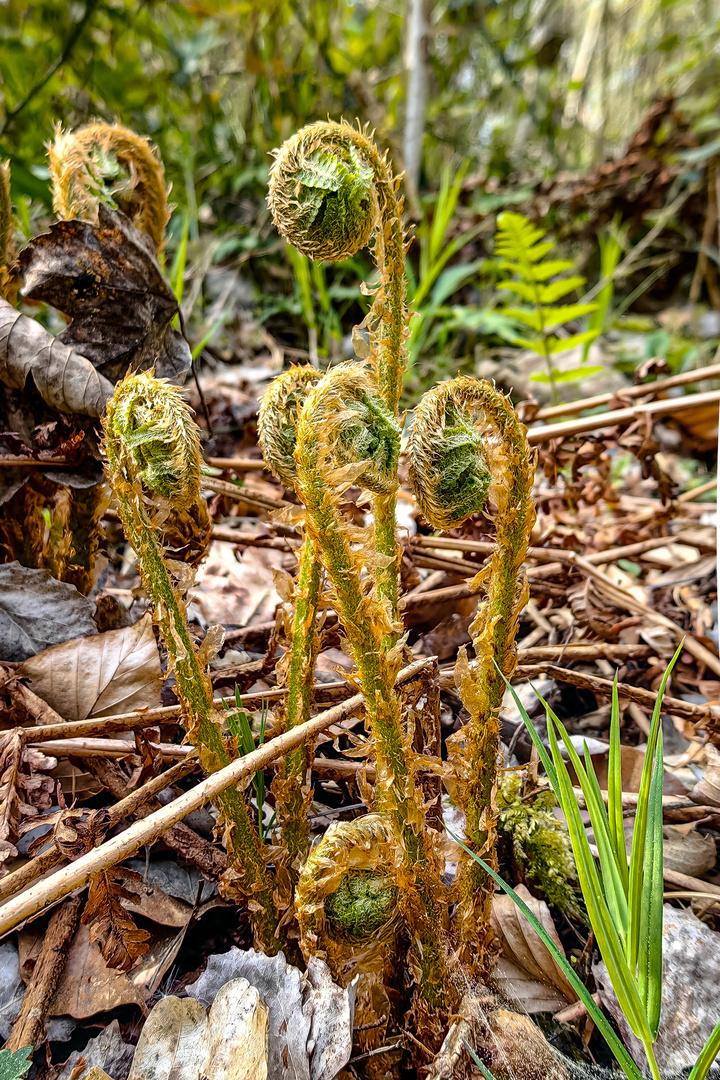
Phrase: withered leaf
(36,611)
(110,923)
(106,277)
(65,380)
(114,672)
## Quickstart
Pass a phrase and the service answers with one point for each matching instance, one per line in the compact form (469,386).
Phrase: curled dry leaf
(106,277)
(707,790)
(37,611)
(122,941)
(65,380)
(181,1041)
(526,973)
(114,672)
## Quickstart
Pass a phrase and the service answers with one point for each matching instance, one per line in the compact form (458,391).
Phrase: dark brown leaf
(106,277)
(65,380)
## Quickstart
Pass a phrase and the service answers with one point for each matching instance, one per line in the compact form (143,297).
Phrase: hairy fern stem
(466,443)
(152,449)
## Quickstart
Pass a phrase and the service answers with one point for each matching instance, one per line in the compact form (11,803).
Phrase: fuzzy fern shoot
(153,464)
(537,280)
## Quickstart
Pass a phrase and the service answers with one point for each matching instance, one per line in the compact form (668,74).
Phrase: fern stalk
(152,447)
(330,192)
(346,435)
(465,443)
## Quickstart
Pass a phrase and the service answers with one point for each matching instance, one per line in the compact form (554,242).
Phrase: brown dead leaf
(87,986)
(707,790)
(65,380)
(114,672)
(122,941)
(526,973)
(235,592)
(632,760)
(106,277)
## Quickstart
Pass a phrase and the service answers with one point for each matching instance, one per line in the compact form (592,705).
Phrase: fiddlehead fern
(347,436)
(277,431)
(347,896)
(330,192)
(466,443)
(109,163)
(153,457)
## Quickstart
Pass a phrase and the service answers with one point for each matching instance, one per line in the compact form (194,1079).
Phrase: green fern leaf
(522,251)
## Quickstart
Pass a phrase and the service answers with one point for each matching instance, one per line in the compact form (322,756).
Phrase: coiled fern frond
(467,444)
(330,193)
(347,895)
(159,442)
(109,163)
(152,448)
(278,420)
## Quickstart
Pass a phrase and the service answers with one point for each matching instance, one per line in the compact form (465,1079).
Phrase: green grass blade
(614,786)
(709,1052)
(476,1060)
(637,857)
(623,1058)
(613,885)
(651,909)
(609,942)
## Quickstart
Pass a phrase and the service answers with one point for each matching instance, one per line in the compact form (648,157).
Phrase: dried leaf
(232,592)
(114,672)
(37,611)
(122,941)
(310,1018)
(106,1054)
(87,986)
(707,790)
(12,989)
(106,277)
(65,380)
(526,973)
(180,1041)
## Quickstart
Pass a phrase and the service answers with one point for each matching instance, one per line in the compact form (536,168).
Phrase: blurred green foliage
(518,92)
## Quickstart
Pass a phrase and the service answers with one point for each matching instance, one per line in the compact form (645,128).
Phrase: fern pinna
(522,250)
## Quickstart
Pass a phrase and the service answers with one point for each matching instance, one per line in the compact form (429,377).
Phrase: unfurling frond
(278,419)
(466,443)
(347,895)
(111,164)
(157,439)
(348,433)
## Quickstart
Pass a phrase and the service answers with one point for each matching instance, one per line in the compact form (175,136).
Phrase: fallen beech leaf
(235,592)
(310,1018)
(64,379)
(87,986)
(687,850)
(114,672)
(526,973)
(181,1041)
(37,611)
(106,277)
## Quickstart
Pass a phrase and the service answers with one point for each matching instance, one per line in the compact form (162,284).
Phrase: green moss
(363,904)
(539,843)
